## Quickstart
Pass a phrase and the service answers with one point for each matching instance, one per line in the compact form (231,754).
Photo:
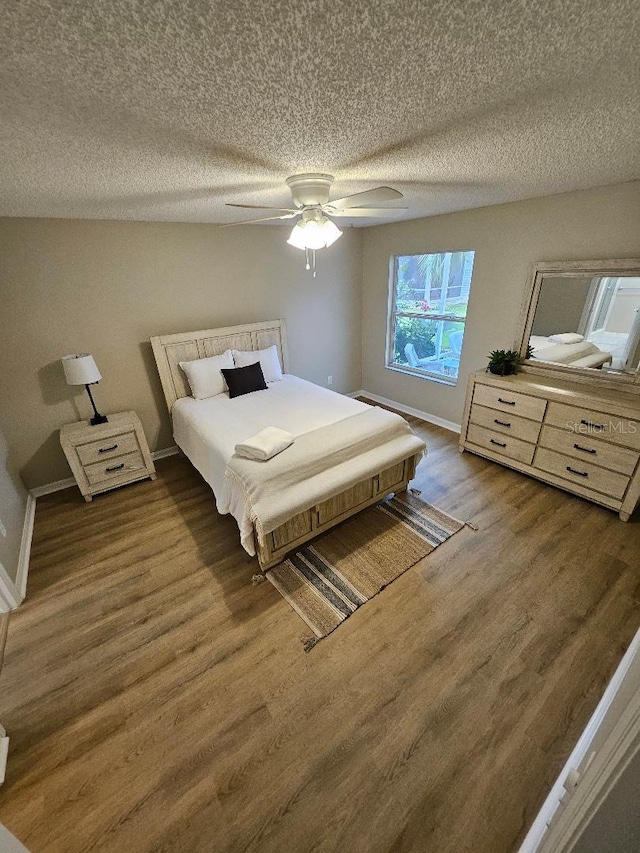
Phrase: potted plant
(503,362)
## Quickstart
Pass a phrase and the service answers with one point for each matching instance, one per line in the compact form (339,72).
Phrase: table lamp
(81,369)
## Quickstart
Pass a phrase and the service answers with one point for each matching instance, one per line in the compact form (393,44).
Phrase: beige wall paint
(597,223)
(13,505)
(106,287)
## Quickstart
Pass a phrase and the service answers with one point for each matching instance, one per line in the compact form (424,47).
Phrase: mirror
(584,317)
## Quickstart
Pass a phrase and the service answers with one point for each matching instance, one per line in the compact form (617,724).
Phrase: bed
(581,353)
(346,455)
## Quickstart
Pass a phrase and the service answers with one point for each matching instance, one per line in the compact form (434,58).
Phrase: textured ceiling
(158,109)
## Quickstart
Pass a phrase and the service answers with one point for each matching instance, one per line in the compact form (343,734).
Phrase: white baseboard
(4,752)
(408,410)
(25,546)
(50,488)
(59,485)
(166,451)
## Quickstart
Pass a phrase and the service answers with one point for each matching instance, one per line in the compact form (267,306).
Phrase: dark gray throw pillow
(244,380)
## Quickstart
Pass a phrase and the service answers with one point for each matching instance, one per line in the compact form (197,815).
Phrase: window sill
(419,374)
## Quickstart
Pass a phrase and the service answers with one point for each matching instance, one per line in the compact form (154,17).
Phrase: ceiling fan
(315,228)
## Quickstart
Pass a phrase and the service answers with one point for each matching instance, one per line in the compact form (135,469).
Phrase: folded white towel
(265,444)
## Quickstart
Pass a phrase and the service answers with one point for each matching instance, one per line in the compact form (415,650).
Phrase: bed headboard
(168,350)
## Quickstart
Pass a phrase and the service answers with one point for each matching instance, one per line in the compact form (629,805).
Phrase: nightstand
(109,455)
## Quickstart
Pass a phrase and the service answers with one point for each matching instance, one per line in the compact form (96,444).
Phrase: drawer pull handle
(108,449)
(507,402)
(501,423)
(499,443)
(591,425)
(585,449)
(115,467)
(579,473)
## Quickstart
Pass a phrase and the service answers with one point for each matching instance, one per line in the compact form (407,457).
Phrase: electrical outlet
(3,529)
(329,380)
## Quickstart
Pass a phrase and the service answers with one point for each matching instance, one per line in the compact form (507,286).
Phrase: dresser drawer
(506,424)
(107,448)
(509,401)
(588,449)
(593,424)
(585,474)
(114,469)
(513,448)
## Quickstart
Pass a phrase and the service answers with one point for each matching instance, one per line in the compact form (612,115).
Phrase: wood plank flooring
(156,701)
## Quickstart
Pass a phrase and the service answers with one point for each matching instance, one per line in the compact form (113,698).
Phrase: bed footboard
(272,547)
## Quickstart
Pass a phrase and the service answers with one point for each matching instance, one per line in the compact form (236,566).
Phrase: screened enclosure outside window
(428,312)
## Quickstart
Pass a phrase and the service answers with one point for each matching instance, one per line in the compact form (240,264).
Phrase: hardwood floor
(156,701)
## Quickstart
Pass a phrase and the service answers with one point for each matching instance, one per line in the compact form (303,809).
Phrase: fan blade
(374,196)
(262,219)
(364,211)
(260,207)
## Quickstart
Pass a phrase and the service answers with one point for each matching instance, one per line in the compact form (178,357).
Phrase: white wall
(625,305)
(591,224)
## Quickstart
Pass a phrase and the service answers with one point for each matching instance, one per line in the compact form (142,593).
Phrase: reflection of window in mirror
(589,321)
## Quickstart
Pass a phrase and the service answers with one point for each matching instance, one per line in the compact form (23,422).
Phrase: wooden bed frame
(271,548)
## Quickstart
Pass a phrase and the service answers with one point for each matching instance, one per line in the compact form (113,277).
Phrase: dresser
(564,433)
(109,455)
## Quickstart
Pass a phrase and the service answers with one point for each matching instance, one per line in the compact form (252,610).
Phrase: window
(428,311)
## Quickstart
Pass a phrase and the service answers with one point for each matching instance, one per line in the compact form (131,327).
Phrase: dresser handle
(579,473)
(115,468)
(585,449)
(507,402)
(108,449)
(499,443)
(501,423)
(591,425)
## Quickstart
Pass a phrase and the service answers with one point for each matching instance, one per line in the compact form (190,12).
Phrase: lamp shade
(80,369)
(314,233)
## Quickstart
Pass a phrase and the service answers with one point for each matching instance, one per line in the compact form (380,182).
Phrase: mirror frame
(628,382)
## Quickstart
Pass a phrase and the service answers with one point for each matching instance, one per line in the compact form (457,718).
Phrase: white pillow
(205,376)
(566,338)
(268,358)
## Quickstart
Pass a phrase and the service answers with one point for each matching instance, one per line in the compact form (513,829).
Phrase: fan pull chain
(310,256)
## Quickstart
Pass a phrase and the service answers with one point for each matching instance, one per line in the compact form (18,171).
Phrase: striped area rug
(327,581)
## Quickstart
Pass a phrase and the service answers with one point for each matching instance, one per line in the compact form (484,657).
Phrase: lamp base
(97,417)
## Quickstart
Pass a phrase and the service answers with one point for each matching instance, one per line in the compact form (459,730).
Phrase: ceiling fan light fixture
(314,234)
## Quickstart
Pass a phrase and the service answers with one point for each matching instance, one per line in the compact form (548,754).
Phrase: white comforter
(582,354)
(320,464)
(208,430)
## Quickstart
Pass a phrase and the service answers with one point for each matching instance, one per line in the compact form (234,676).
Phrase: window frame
(390,363)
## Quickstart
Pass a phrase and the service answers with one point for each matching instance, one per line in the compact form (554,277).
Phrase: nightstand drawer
(118,445)
(120,466)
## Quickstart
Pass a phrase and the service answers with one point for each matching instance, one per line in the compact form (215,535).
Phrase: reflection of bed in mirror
(587,321)
(580,353)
